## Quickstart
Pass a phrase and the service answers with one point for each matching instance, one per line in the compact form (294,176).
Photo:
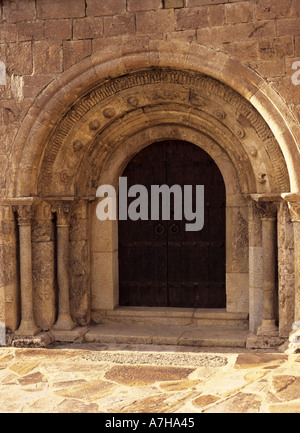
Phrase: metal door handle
(159,229)
(174,229)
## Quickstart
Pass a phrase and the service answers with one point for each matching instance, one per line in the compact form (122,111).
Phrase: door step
(194,317)
(167,335)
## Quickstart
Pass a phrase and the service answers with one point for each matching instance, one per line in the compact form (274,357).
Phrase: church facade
(179,91)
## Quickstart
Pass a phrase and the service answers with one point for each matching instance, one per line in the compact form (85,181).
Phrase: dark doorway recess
(160,263)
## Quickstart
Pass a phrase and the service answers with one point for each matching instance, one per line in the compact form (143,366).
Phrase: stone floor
(119,378)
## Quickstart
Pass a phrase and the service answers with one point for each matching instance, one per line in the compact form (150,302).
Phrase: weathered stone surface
(23,367)
(287,387)
(88,391)
(205,400)
(142,375)
(258,360)
(240,403)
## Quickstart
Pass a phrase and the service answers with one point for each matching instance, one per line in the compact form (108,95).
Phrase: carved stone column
(43,261)
(64,321)
(294,338)
(255,266)
(269,247)
(27,326)
(9,296)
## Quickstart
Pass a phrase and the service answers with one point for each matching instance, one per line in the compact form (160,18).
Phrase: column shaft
(269,247)
(64,321)
(27,326)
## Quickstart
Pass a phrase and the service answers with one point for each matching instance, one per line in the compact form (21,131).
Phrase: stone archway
(83,130)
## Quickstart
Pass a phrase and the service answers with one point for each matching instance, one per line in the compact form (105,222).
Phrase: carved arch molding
(123,114)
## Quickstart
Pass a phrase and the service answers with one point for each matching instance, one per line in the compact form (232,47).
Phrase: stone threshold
(187,335)
(176,316)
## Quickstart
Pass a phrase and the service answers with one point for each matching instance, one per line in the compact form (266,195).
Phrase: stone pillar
(255,267)
(64,321)
(27,326)
(294,338)
(269,247)
(9,296)
(286,283)
(80,263)
(295,213)
(43,261)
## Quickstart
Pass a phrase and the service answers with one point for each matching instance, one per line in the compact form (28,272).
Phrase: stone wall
(41,39)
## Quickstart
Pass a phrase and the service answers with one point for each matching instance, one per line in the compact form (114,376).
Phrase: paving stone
(287,387)
(89,391)
(141,376)
(161,403)
(23,367)
(239,403)
(179,386)
(75,406)
(33,378)
(250,360)
(205,400)
(285,408)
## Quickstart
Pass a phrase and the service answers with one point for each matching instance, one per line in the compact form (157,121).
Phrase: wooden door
(160,263)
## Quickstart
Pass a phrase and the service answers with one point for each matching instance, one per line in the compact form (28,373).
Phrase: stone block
(100,8)
(270,9)
(85,28)
(271,49)
(173,4)
(58,29)
(297,45)
(104,280)
(31,31)
(60,9)
(119,25)
(272,68)
(288,27)
(195,3)
(19,58)
(239,12)
(224,34)
(47,57)
(155,21)
(145,5)
(216,15)
(191,18)
(8,33)
(246,50)
(237,292)
(33,84)
(74,51)
(21,10)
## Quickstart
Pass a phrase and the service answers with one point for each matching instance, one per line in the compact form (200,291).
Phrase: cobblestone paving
(140,379)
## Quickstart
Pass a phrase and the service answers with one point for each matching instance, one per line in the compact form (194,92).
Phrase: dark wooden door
(160,263)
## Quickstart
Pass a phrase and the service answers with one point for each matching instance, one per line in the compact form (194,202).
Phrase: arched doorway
(161,264)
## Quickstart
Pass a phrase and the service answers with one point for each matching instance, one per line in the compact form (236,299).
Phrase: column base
(267,328)
(264,341)
(64,323)
(27,328)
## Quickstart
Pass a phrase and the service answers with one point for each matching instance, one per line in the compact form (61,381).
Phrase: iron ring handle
(159,229)
(174,229)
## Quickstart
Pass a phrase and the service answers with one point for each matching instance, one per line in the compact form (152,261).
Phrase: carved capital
(294,208)
(24,214)
(63,213)
(266,210)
